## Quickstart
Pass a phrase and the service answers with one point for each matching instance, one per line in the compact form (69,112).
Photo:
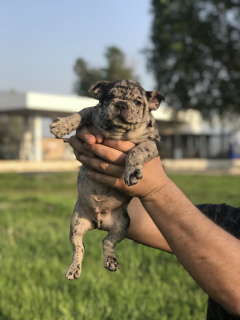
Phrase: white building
(33,107)
(186,135)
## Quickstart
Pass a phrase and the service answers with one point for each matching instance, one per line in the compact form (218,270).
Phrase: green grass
(35,212)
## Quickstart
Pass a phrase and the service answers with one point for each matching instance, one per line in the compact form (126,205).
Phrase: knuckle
(83,133)
(103,181)
(103,166)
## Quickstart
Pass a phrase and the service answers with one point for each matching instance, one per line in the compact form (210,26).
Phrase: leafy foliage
(87,76)
(35,251)
(196,53)
(116,69)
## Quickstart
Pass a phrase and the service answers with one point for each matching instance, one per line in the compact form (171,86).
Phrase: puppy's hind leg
(79,226)
(117,232)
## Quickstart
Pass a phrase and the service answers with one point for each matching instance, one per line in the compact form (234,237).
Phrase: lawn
(35,251)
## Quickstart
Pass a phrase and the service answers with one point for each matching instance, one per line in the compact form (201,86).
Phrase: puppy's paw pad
(138,174)
(73,272)
(133,175)
(111,264)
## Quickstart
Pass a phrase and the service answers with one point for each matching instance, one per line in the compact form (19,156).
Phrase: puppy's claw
(132,175)
(73,272)
(111,264)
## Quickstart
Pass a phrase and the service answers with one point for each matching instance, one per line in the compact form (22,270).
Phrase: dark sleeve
(223,215)
(228,218)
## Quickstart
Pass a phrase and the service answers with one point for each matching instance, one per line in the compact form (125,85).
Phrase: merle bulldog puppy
(124,113)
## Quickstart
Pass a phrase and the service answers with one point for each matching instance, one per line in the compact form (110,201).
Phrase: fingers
(89,135)
(104,152)
(120,145)
(99,137)
(106,180)
(90,142)
(77,155)
(109,154)
(84,137)
(78,147)
(102,166)
(154,177)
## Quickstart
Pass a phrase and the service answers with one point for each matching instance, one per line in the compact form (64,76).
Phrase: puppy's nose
(121,105)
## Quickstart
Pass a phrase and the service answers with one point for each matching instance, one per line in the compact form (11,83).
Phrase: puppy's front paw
(132,175)
(60,127)
(111,263)
(73,272)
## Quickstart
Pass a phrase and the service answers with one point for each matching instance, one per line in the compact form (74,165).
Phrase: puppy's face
(125,103)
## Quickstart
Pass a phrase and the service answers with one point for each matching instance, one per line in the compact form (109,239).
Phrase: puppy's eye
(109,97)
(138,102)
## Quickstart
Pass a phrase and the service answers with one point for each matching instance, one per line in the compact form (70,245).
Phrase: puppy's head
(125,103)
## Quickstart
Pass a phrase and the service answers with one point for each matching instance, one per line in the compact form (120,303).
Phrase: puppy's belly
(98,201)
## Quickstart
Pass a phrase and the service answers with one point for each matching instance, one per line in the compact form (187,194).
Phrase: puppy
(124,113)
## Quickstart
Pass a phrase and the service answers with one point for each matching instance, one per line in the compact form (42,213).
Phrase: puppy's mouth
(121,115)
(124,115)
(126,121)
(122,120)
(119,124)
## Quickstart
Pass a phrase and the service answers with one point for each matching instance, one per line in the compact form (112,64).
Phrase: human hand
(85,142)
(106,161)
(85,137)
(111,174)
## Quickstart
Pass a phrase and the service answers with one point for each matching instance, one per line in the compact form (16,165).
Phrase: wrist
(157,192)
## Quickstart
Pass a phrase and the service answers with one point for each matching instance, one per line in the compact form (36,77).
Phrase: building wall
(54,149)
(194,146)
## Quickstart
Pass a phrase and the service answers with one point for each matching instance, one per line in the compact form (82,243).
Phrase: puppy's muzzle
(125,112)
(122,106)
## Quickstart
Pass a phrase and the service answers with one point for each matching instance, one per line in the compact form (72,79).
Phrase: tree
(116,66)
(87,76)
(196,53)
(116,69)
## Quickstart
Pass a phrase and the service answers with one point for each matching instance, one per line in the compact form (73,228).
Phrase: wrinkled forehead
(127,89)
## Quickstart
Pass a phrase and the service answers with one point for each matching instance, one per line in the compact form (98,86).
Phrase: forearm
(142,228)
(198,243)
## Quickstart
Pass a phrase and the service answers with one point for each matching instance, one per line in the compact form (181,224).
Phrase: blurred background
(51,53)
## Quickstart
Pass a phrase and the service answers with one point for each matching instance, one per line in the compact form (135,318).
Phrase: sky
(41,40)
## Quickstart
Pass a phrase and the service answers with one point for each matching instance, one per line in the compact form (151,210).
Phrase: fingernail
(89,141)
(99,138)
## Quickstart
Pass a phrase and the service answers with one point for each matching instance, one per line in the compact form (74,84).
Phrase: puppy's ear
(154,99)
(98,89)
